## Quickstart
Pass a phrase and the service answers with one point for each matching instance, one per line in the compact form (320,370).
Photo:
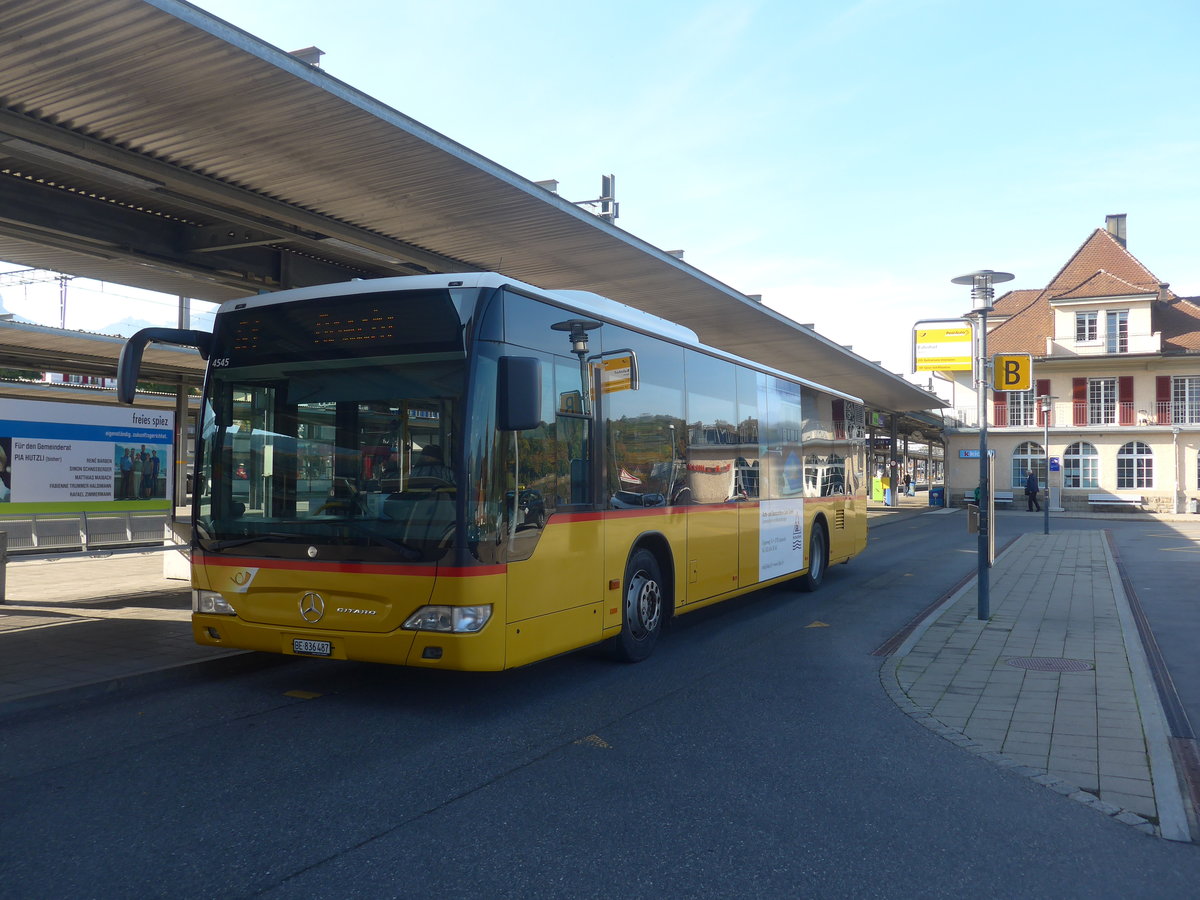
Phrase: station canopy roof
(147,143)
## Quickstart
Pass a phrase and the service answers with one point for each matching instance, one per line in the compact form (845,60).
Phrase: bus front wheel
(642,613)
(818,558)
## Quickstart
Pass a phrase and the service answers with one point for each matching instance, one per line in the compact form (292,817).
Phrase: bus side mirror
(518,393)
(130,362)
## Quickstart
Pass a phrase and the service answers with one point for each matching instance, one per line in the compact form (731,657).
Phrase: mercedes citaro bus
(467,472)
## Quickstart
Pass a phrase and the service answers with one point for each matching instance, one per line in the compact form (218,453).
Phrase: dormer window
(1116,330)
(1086,327)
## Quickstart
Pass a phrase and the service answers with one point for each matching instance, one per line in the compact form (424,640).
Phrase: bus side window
(712,474)
(575,482)
(748,413)
(644,427)
(580,482)
(573,432)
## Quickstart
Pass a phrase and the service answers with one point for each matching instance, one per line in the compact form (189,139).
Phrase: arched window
(1135,466)
(1029,456)
(1081,466)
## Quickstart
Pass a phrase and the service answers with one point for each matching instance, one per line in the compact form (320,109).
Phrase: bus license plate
(312,648)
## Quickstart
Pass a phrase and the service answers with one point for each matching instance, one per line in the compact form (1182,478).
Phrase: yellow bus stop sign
(1012,372)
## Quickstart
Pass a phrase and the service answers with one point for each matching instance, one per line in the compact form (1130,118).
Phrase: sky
(843,159)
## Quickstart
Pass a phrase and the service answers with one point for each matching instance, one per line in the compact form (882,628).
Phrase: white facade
(1123,380)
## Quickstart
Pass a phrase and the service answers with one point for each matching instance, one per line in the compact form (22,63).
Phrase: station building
(1117,353)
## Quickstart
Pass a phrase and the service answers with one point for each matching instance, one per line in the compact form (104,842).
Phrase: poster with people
(66,456)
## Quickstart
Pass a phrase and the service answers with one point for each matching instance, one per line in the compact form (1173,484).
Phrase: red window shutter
(1162,399)
(1079,401)
(999,408)
(1043,390)
(1125,400)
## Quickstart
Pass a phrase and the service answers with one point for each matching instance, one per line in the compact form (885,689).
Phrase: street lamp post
(578,336)
(982,295)
(1047,404)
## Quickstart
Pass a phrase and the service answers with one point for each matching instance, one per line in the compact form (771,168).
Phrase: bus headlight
(211,602)
(449,619)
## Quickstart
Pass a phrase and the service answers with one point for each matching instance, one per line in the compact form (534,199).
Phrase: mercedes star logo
(312,607)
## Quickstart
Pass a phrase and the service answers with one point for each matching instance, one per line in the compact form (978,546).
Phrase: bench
(1114,500)
(997,496)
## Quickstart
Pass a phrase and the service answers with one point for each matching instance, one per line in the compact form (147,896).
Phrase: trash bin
(1193,508)
(937,496)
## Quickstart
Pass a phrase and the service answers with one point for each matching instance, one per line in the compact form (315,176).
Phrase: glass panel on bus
(714,454)
(336,424)
(523,479)
(783,475)
(645,426)
(825,472)
(749,386)
(545,469)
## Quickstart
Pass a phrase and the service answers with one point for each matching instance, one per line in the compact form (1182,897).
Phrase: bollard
(3,561)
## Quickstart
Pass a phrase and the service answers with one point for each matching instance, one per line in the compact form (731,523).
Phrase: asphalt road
(754,755)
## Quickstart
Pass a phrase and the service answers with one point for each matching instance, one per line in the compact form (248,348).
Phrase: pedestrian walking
(1031,493)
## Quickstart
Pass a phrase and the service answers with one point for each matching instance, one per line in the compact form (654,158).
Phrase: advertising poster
(781,537)
(70,457)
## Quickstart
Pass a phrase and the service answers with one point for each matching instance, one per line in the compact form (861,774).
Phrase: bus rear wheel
(818,558)
(643,607)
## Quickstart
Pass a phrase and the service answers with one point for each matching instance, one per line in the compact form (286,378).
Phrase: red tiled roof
(1025,332)
(1102,251)
(1015,301)
(1178,318)
(1101,267)
(1102,284)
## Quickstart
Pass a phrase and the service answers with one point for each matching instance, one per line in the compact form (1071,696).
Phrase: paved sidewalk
(1054,685)
(90,623)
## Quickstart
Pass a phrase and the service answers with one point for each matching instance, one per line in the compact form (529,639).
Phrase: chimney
(1164,291)
(310,55)
(1116,227)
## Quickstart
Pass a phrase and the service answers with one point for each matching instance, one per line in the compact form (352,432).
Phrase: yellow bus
(467,472)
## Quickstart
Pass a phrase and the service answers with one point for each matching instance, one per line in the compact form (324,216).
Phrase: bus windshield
(340,429)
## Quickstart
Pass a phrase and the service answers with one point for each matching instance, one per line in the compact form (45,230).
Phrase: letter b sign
(1012,372)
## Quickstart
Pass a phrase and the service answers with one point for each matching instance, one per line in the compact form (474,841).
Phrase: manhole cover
(1050,664)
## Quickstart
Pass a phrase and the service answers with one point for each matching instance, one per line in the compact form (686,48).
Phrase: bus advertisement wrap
(66,457)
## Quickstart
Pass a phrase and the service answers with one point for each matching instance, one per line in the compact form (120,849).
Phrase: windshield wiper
(407,553)
(410,554)
(265,535)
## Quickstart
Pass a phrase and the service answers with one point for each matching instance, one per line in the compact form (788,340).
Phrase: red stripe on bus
(357,568)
